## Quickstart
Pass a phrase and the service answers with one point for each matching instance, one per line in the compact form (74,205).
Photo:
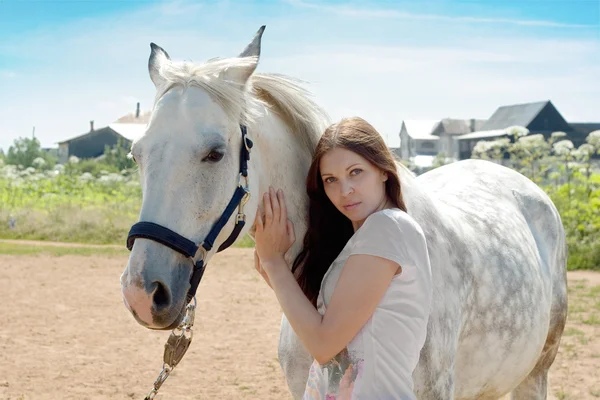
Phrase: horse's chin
(164,323)
(173,325)
(159,324)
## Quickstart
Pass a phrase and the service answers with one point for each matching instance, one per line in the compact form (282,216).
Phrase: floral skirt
(338,379)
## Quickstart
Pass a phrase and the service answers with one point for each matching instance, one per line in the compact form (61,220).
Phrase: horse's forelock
(211,76)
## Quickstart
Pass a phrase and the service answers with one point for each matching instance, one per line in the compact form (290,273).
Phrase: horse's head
(189,163)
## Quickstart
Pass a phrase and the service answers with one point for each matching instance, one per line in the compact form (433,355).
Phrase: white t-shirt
(385,352)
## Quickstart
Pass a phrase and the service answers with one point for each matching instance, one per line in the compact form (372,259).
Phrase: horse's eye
(214,156)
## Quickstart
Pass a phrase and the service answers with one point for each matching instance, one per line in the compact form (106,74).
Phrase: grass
(68,223)
(573,332)
(81,249)
(37,205)
(584,305)
(561,395)
(100,225)
(593,319)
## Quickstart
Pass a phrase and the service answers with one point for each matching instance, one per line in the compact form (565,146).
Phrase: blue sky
(65,63)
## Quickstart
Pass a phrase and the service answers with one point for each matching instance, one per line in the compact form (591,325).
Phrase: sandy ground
(65,334)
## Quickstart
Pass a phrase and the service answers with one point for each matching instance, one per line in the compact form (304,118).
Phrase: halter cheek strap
(186,247)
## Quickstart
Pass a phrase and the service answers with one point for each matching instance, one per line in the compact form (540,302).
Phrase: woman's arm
(360,288)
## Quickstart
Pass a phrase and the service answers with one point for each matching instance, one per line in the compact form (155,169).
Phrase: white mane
(209,76)
(283,95)
(292,102)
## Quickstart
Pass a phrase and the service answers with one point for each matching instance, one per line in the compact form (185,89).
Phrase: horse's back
(502,237)
(489,195)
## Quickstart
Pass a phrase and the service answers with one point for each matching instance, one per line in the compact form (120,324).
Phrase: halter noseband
(182,245)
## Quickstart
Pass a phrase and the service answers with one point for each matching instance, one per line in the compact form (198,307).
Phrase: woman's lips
(351,206)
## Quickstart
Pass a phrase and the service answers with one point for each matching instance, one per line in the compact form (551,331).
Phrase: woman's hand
(275,234)
(260,270)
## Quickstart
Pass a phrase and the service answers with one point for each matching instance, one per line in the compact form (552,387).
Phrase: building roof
(79,136)
(484,134)
(421,129)
(130,132)
(514,115)
(143,118)
(451,126)
(131,126)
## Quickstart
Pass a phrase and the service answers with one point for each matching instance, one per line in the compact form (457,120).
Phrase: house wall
(548,120)
(63,153)
(448,146)
(410,147)
(92,144)
(425,147)
(405,144)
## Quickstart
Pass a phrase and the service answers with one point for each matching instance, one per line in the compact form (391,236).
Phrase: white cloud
(386,84)
(346,10)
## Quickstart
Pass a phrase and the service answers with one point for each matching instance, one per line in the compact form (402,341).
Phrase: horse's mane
(283,95)
(292,103)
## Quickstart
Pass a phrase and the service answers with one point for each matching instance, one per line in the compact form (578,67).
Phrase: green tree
(564,150)
(576,189)
(24,151)
(584,154)
(491,149)
(593,139)
(117,156)
(527,154)
(440,160)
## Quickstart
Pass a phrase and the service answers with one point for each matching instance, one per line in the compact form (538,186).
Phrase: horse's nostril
(161,296)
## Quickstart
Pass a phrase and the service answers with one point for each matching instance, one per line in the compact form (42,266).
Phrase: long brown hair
(328,229)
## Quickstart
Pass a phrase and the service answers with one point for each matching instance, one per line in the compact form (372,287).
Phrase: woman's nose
(347,189)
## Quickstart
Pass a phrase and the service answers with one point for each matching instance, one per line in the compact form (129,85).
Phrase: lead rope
(177,344)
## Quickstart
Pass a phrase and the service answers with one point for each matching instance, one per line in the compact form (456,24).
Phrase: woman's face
(354,185)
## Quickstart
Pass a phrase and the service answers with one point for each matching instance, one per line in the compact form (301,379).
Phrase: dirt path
(591,277)
(66,335)
(58,244)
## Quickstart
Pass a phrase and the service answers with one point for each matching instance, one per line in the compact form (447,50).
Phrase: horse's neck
(283,164)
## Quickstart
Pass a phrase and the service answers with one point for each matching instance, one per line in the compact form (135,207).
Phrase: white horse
(496,242)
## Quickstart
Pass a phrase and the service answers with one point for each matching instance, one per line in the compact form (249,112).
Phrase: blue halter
(182,245)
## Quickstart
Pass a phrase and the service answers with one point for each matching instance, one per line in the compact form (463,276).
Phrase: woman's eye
(356,169)
(329,180)
(214,156)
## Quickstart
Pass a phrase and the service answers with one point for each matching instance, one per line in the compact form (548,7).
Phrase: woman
(358,294)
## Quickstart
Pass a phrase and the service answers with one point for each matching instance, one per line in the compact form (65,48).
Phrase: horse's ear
(253,48)
(158,56)
(252,52)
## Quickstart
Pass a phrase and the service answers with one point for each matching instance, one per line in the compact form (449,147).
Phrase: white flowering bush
(63,203)
(568,174)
